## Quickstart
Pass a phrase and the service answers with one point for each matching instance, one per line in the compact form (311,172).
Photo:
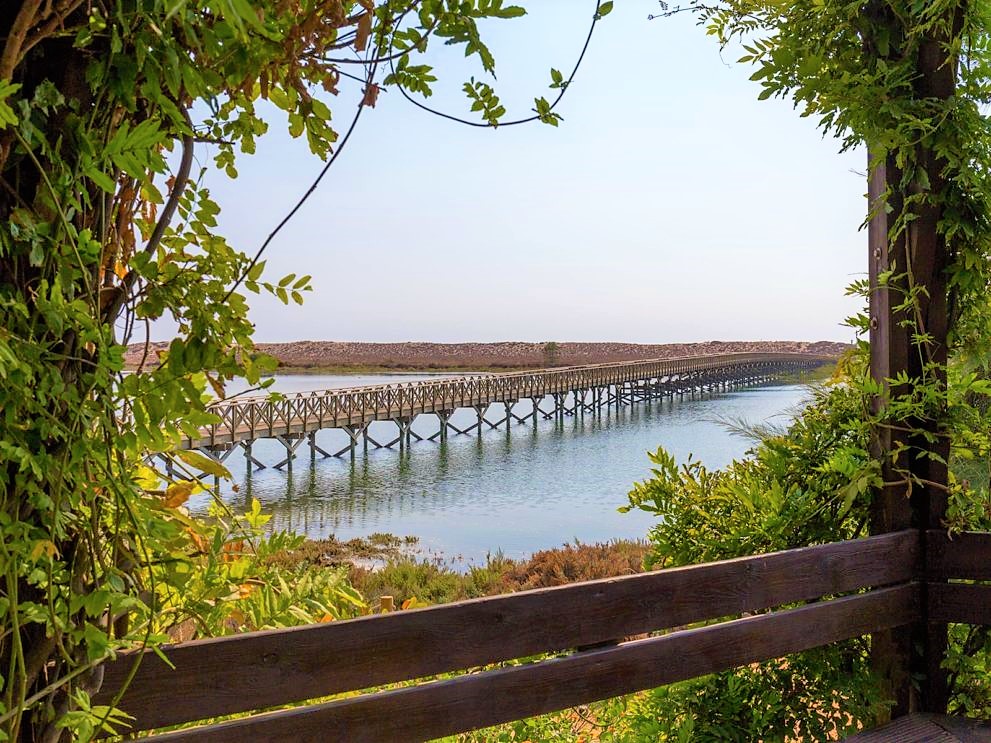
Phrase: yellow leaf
(218,386)
(362,32)
(43,546)
(198,541)
(203,463)
(146,478)
(178,493)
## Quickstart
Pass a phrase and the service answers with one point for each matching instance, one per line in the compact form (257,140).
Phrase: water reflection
(541,484)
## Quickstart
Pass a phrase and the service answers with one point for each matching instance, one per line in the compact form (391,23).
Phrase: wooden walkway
(570,390)
(928,729)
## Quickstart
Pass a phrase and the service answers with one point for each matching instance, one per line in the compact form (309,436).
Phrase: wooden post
(916,257)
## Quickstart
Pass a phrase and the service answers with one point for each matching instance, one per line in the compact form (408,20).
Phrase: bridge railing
(259,414)
(687,614)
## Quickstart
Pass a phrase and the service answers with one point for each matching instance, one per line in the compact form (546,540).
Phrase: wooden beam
(479,700)
(964,555)
(234,674)
(967,603)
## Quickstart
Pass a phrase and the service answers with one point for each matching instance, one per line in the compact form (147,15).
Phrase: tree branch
(15,39)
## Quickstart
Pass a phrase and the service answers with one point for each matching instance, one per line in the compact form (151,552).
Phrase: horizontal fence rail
(483,699)
(250,418)
(954,558)
(259,670)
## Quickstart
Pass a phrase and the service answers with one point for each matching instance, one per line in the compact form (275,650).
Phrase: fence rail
(886,579)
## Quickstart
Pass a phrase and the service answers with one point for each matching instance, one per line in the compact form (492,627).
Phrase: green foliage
(910,81)
(810,485)
(818,695)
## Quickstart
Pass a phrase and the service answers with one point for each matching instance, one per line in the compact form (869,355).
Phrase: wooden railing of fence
(857,587)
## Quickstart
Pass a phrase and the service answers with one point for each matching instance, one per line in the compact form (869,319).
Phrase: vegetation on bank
(357,357)
(406,577)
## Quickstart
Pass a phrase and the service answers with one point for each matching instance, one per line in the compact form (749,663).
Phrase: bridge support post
(404,425)
(291,442)
(314,448)
(354,432)
(249,457)
(443,416)
(535,401)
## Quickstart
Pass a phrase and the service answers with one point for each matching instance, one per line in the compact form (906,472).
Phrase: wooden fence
(831,592)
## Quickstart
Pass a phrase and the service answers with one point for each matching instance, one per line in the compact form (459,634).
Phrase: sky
(669,206)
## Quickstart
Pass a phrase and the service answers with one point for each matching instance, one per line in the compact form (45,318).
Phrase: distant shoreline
(345,357)
(354,370)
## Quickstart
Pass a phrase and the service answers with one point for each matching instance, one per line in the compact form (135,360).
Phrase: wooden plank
(479,700)
(964,555)
(262,669)
(967,603)
(928,729)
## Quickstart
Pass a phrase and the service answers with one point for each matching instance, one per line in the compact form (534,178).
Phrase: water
(534,488)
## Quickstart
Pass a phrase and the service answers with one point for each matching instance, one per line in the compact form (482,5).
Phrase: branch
(65,9)
(302,200)
(15,39)
(527,120)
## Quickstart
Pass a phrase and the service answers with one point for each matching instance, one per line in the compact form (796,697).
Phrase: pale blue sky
(669,206)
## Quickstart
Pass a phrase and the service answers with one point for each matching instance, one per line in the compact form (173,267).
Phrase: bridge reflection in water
(546,393)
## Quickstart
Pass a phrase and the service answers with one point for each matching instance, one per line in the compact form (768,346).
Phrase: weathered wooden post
(909,325)
(914,490)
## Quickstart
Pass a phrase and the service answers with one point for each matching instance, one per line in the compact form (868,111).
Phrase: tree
(552,353)
(106,227)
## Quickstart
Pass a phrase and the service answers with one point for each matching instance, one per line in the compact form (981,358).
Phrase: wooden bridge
(571,390)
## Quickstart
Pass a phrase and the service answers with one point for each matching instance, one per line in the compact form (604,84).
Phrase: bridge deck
(243,420)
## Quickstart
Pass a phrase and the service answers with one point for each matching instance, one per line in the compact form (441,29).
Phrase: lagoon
(534,487)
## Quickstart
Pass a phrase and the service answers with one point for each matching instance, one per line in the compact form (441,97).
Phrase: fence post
(916,651)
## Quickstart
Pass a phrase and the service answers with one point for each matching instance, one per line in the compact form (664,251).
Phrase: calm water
(536,487)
